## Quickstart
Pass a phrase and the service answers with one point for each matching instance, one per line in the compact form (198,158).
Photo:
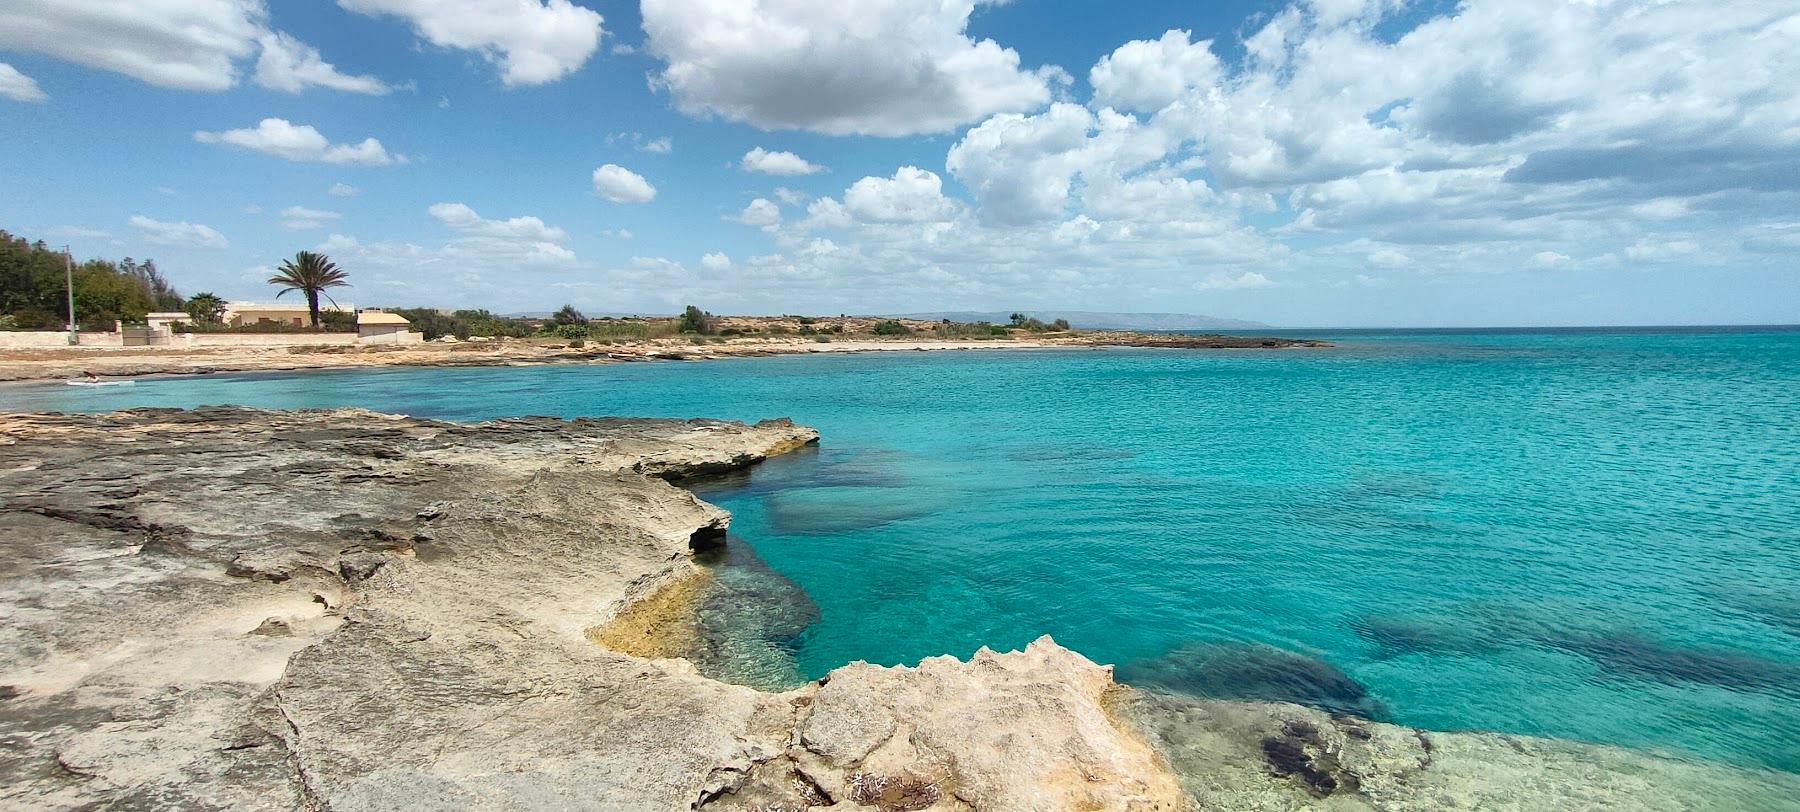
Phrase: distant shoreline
(25,365)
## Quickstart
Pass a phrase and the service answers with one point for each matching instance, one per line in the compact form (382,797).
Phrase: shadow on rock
(1251,671)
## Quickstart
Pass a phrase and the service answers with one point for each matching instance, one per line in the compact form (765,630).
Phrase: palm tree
(310,274)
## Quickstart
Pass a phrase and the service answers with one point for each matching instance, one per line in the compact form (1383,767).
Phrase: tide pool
(1585,534)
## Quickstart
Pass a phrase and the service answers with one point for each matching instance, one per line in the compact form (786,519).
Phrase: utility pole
(69,268)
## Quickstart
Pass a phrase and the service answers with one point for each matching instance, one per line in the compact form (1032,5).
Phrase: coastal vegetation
(311,275)
(34,288)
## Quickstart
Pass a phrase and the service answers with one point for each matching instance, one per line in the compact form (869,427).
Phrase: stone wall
(261,339)
(56,338)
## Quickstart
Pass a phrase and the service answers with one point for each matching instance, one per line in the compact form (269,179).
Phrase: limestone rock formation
(228,608)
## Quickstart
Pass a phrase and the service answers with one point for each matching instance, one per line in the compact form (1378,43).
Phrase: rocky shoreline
(229,608)
(69,363)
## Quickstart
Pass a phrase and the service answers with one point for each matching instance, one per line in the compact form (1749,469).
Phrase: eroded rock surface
(229,608)
(238,609)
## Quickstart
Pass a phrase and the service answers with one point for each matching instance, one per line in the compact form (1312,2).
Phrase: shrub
(697,321)
(568,315)
(890,327)
(571,331)
(578,343)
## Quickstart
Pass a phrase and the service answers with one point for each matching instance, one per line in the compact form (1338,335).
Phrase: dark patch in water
(1400,635)
(1626,654)
(808,467)
(823,511)
(1252,671)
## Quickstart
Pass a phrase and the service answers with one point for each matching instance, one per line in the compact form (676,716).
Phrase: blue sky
(1327,162)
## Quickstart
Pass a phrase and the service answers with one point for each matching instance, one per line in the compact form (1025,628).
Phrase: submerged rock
(1250,671)
(1630,655)
(1277,756)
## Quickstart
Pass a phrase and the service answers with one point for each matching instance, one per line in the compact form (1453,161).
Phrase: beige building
(239,314)
(378,327)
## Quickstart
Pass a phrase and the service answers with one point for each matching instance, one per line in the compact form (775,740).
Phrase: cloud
(1148,75)
(1549,258)
(621,185)
(661,145)
(183,234)
(792,197)
(343,190)
(181,44)
(912,195)
(760,212)
(1248,280)
(715,261)
(481,246)
(464,220)
(777,163)
(879,67)
(185,44)
(19,87)
(1647,250)
(300,142)
(289,65)
(300,218)
(1389,258)
(532,41)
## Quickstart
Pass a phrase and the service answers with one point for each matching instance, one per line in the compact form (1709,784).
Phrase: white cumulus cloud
(715,261)
(877,67)
(183,233)
(300,142)
(463,219)
(912,195)
(621,185)
(777,163)
(532,41)
(760,212)
(1248,280)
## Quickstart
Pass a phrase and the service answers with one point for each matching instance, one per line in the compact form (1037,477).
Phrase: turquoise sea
(1589,534)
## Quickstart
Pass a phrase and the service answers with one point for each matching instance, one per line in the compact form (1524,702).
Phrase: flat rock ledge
(228,608)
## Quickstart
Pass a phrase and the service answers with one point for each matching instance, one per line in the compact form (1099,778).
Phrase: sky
(1316,163)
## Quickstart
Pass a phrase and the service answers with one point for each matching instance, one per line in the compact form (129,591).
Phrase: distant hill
(1083,319)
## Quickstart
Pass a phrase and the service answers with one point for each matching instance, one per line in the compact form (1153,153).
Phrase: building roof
(282,307)
(378,317)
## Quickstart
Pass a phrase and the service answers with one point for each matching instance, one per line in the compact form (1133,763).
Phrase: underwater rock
(749,620)
(1400,635)
(823,511)
(1627,654)
(1251,671)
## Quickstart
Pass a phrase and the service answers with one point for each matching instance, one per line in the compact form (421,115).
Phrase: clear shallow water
(1592,535)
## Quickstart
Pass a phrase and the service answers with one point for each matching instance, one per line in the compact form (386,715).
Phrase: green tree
(697,321)
(311,274)
(205,308)
(569,316)
(890,327)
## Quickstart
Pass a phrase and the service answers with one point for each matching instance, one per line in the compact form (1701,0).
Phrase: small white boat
(101,383)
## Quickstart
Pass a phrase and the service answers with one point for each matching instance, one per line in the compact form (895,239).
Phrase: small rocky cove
(228,608)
